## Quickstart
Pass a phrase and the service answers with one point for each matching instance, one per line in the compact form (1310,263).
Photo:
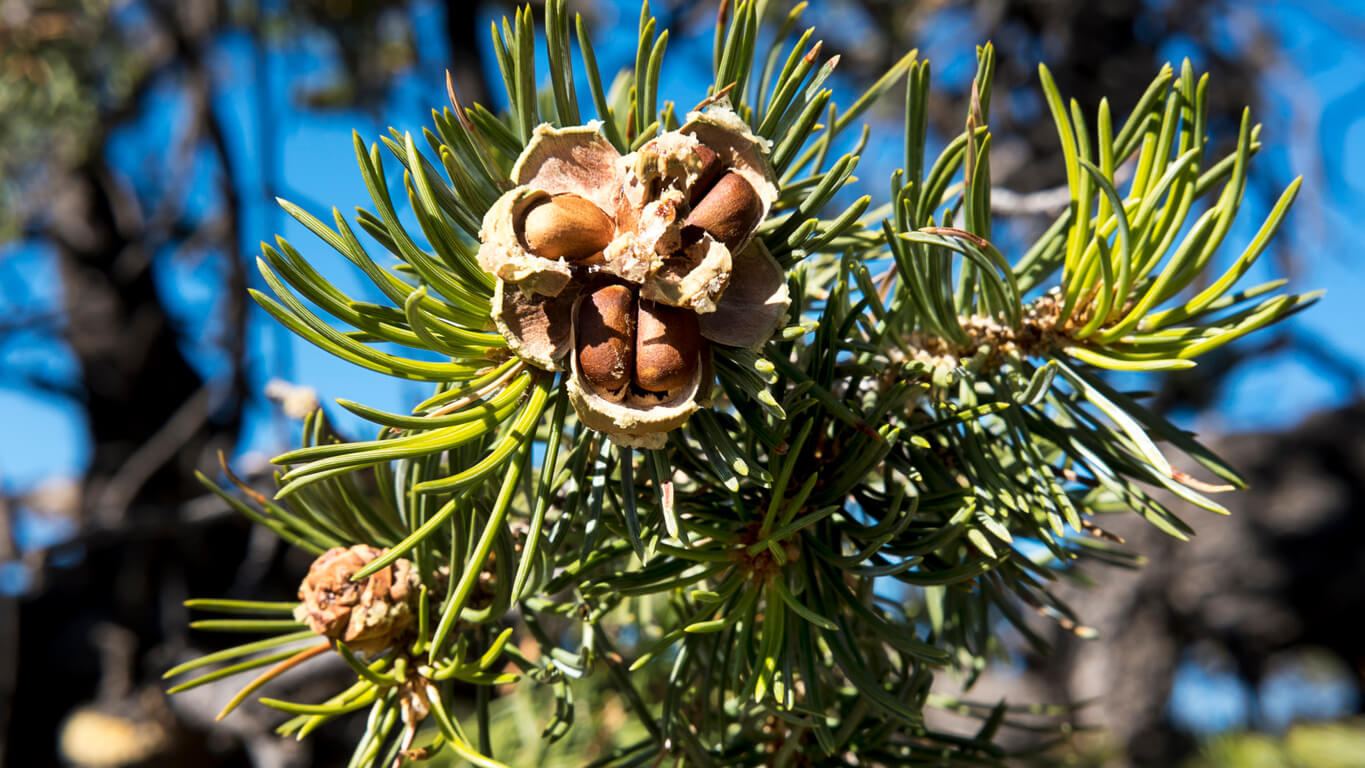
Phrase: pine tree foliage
(914,457)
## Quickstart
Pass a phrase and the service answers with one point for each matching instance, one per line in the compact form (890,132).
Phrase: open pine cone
(367,615)
(632,266)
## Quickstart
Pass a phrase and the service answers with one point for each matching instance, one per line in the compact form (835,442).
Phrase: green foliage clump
(1319,745)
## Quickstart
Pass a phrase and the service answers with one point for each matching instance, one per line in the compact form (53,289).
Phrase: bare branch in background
(113,497)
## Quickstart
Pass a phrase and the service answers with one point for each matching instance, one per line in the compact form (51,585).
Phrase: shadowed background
(142,144)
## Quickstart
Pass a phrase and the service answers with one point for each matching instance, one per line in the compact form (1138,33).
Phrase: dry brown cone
(367,615)
(628,268)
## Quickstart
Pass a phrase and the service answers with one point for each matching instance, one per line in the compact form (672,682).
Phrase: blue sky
(1315,126)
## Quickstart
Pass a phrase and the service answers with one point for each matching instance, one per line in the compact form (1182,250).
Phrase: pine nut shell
(605,338)
(639,420)
(577,160)
(699,277)
(667,345)
(503,255)
(738,149)
(565,226)
(730,211)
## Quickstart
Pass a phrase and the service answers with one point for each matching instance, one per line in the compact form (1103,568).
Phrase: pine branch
(844,484)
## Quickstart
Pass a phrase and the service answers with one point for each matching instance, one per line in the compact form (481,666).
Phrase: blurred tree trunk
(145,542)
(135,380)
